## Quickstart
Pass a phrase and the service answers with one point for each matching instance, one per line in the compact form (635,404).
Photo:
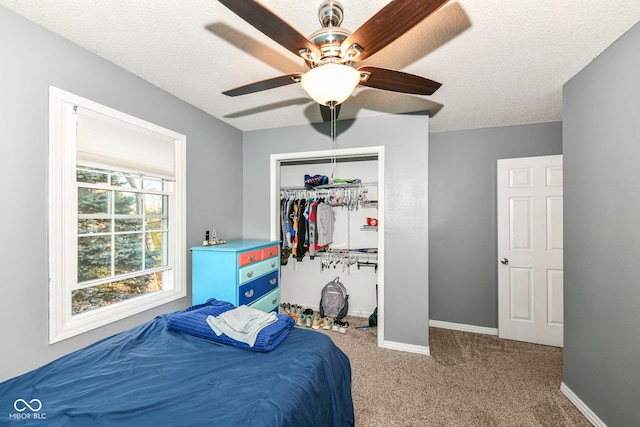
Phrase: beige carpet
(469,380)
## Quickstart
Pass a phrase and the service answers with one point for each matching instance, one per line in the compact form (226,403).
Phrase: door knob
(504,261)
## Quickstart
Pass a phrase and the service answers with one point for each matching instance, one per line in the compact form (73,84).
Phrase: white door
(530,273)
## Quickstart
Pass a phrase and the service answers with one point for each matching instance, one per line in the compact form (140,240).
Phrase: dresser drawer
(249,257)
(254,290)
(269,302)
(270,252)
(253,271)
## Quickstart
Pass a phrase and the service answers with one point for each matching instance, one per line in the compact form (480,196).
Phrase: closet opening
(354,188)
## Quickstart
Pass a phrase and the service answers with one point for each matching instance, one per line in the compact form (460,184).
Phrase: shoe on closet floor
(343,327)
(316,322)
(340,326)
(336,325)
(327,323)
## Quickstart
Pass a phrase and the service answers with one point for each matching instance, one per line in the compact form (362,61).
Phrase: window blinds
(105,142)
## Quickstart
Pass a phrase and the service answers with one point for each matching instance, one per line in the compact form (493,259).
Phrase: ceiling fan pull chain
(332,107)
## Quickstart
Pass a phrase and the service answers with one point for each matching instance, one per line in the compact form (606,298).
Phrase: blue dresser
(240,272)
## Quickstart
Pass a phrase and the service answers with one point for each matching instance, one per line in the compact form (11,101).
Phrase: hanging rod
(349,195)
(370,256)
(348,258)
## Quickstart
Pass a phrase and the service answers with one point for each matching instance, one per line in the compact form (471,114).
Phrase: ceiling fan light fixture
(330,84)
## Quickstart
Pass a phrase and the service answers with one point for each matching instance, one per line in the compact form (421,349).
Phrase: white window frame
(63,223)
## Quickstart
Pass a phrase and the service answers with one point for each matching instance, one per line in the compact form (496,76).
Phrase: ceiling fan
(332,51)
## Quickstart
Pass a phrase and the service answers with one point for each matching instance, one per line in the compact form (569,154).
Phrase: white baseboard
(582,407)
(410,348)
(463,327)
(359,313)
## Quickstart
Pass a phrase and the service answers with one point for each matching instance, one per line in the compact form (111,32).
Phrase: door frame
(274,198)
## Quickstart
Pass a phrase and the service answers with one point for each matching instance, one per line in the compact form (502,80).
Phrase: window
(117,215)
(122,238)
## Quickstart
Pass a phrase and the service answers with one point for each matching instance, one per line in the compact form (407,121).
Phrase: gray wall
(32,60)
(602,235)
(463,280)
(405,138)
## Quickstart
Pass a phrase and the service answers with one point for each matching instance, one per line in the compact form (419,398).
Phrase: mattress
(150,375)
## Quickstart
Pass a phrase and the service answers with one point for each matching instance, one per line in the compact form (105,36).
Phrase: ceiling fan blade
(326,112)
(267,84)
(392,21)
(271,25)
(397,81)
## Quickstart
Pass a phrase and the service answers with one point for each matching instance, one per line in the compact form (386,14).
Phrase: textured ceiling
(499,62)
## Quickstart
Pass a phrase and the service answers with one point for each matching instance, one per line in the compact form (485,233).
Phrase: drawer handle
(252,258)
(274,301)
(273,281)
(249,294)
(273,265)
(271,253)
(250,274)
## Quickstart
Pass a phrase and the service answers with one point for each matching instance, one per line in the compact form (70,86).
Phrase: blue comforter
(153,376)
(193,321)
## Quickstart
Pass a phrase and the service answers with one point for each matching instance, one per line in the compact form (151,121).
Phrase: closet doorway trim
(343,153)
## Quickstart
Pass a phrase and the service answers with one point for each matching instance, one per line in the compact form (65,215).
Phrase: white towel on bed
(242,323)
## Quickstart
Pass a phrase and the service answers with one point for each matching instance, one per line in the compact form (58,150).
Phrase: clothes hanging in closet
(325,221)
(301,226)
(307,226)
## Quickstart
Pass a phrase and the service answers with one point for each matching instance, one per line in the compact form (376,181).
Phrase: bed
(152,375)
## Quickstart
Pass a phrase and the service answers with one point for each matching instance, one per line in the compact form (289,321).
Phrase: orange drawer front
(250,257)
(270,252)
